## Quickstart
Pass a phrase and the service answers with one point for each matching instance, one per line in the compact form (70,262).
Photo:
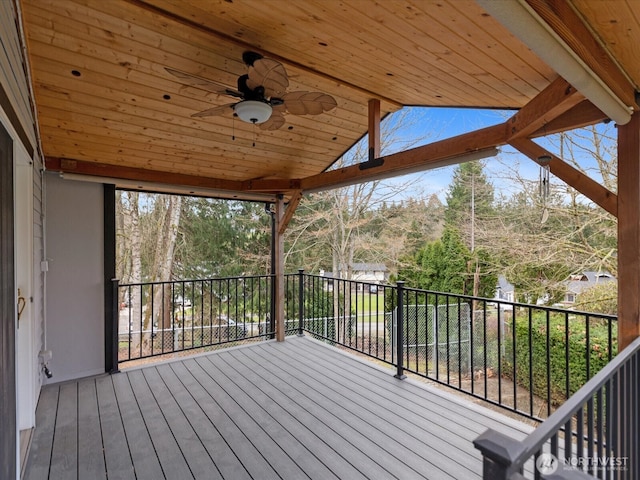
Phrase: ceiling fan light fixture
(253,111)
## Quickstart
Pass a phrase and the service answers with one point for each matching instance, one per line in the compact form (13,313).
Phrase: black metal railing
(525,358)
(595,434)
(159,318)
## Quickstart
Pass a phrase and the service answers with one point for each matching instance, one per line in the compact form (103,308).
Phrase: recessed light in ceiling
(75,73)
(166,96)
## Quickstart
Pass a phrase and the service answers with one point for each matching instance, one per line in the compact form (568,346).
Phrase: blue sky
(432,124)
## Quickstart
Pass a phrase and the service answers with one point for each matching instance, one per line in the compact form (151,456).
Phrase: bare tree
(536,241)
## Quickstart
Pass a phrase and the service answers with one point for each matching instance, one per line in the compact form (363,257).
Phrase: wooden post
(628,231)
(374,129)
(279,275)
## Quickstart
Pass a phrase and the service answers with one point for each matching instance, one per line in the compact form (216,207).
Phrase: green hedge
(577,348)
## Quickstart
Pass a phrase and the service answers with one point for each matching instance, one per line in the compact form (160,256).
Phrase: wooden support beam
(566,23)
(278,185)
(553,101)
(278,279)
(374,128)
(67,165)
(288,214)
(162,182)
(571,176)
(434,155)
(582,115)
(628,231)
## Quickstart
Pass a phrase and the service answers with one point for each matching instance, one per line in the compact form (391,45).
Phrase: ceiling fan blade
(270,74)
(308,103)
(276,120)
(215,111)
(203,83)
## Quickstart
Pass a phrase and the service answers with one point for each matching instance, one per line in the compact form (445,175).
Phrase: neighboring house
(578,283)
(504,290)
(367,272)
(375,273)
(575,285)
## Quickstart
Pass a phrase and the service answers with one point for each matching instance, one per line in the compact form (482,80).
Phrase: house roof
(107,106)
(581,282)
(367,267)
(504,285)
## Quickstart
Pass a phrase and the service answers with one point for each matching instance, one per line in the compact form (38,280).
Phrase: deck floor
(291,410)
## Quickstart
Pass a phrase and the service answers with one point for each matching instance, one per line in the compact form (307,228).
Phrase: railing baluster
(400,331)
(499,336)
(484,350)
(566,357)
(590,432)
(617,382)
(115,325)
(548,362)
(554,445)
(436,329)
(580,433)
(530,344)
(459,344)
(567,441)
(300,302)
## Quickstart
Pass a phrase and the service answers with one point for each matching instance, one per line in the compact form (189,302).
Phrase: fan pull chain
(254,134)
(233,127)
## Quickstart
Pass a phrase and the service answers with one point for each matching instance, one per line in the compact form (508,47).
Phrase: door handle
(21,304)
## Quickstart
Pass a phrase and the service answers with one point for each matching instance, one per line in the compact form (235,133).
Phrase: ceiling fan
(263,99)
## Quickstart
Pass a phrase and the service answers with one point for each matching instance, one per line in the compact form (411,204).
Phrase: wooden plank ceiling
(107,106)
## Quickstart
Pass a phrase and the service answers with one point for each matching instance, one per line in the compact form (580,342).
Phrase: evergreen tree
(469,199)
(455,263)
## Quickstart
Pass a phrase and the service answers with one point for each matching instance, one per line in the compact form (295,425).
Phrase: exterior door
(27,375)
(8,426)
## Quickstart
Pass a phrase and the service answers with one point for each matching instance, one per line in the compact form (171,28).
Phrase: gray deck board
(114,440)
(39,461)
(292,410)
(90,465)
(174,464)
(143,454)
(240,442)
(393,433)
(222,391)
(65,442)
(226,463)
(381,441)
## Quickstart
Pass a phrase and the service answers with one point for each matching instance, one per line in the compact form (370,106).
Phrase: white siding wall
(75,280)
(17,116)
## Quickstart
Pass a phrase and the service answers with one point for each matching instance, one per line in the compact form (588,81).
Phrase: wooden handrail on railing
(568,445)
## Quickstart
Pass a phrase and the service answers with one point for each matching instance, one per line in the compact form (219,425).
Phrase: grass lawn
(369,307)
